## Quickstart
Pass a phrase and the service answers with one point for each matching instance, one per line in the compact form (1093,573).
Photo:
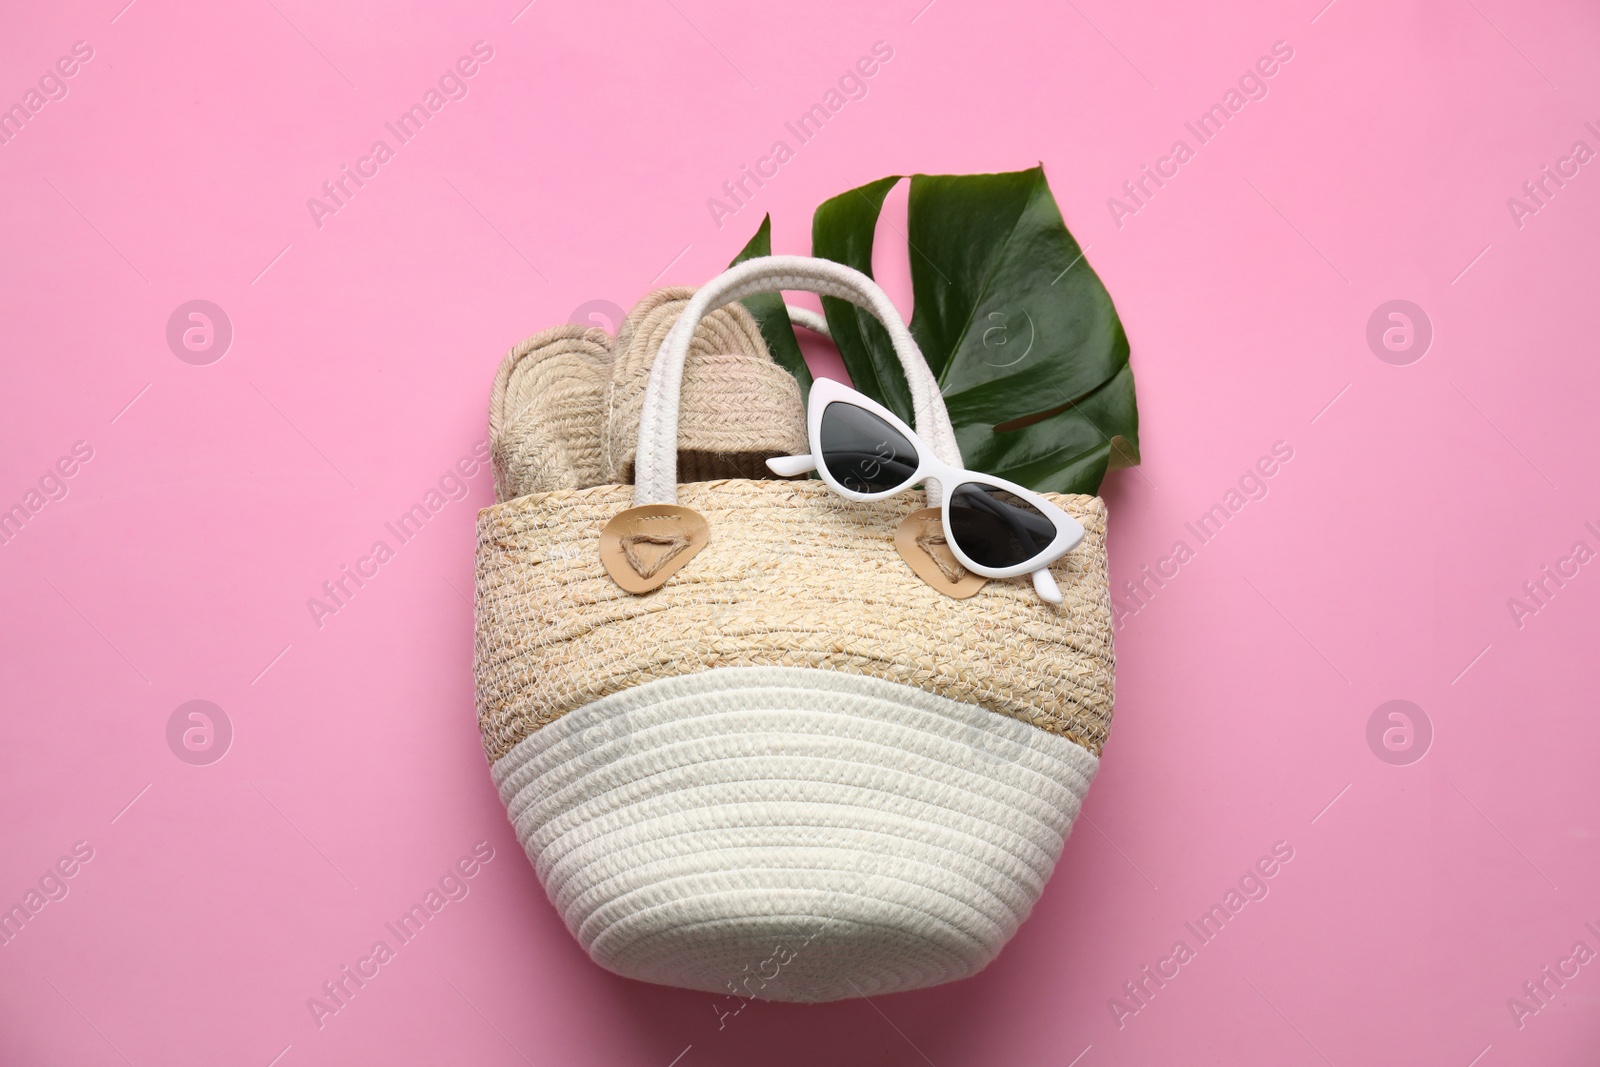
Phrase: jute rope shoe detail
(739,407)
(545,412)
(558,395)
(792,749)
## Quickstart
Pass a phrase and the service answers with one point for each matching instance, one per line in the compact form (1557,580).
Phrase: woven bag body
(794,771)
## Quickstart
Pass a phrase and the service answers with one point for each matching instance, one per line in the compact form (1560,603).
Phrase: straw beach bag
(746,748)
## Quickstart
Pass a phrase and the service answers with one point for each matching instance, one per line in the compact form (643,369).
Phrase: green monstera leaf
(776,330)
(1019,331)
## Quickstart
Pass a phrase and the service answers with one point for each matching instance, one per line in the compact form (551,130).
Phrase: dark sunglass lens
(996,528)
(864,453)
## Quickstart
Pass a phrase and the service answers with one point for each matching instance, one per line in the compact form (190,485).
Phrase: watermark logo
(51,887)
(989,738)
(592,743)
(453,485)
(782,956)
(1253,886)
(199,332)
(453,85)
(601,314)
(1399,732)
(599,741)
(738,192)
(1538,191)
(1138,191)
(452,887)
(52,486)
(199,733)
(1008,338)
(1136,593)
(52,86)
(1399,332)
(1541,991)
(1539,591)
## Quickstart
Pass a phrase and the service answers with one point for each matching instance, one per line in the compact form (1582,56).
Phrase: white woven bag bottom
(792,834)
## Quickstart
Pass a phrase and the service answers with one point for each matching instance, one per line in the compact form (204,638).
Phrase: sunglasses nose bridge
(935,469)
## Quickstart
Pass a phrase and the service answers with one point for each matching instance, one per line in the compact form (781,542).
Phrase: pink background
(1379,567)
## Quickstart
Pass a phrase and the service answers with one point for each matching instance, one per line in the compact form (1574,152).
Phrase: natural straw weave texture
(564,409)
(545,412)
(794,771)
(792,576)
(736,400)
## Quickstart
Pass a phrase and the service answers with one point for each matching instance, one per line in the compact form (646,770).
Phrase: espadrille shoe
(738,406)
(785,767)
(546,410)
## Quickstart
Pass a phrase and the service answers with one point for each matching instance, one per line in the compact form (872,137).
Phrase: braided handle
(656,461)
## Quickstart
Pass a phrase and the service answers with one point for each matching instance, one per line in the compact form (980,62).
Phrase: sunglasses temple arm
(791,466)
(1045,585)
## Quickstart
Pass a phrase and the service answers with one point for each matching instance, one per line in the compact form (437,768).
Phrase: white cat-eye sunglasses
(995,528)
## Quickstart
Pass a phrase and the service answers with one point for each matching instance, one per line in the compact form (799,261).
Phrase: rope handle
(656,460)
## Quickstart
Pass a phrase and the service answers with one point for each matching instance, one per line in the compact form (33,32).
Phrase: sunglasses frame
(825,391)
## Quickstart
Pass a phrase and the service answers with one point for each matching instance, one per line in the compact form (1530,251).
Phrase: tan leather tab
(643,547)
(921,543)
